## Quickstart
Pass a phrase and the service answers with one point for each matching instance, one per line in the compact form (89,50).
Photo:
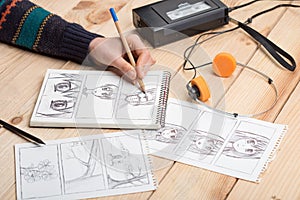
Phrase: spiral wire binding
(272,154)
(150,162)
(163,99)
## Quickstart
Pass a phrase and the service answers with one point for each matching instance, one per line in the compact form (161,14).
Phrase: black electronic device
(167,21)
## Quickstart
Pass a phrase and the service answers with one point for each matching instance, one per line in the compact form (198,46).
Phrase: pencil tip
(42,142)
(143,90)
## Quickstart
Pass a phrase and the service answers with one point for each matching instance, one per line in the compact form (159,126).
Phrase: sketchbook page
(99,99)
(84,167)
(238,147)
(179,117)
(136,109)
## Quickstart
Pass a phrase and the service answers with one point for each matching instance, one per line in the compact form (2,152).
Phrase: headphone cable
(188,51)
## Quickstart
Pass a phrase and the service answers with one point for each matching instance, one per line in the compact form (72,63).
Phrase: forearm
(29,26)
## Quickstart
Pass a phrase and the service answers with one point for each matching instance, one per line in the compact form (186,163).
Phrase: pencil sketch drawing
(106,91)
(67,85)
(38,168)
(140,98)
(44,171)
(124,168)
(63,106)
(82,165)
(204,144)
(136,105)
(98,97)
(58,108)
(246,145)
(170,134)
(60,95)
(68,88)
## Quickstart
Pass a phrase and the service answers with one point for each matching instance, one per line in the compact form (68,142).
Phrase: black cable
(249,3)
(191,48)
(249,20)
(215,34)
(243,5)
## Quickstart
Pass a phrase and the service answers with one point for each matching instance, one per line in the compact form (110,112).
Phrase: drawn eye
(209,148)
(59,105)
(251,141)
(63,86)
(249,150)
(106,89)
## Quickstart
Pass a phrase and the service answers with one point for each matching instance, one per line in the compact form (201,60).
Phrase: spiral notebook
(84,167)
(100,99)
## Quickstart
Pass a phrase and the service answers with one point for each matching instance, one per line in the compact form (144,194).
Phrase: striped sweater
(29,26)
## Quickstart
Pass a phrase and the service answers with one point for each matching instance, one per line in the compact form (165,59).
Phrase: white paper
(84,167)
(78,98)
(238,147)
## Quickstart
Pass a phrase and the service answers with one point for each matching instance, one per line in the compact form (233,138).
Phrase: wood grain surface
(22,72)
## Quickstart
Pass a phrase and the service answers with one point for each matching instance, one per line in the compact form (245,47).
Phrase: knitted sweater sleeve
(29,26)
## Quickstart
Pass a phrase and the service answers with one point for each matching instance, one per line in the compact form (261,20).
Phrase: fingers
(125,67)
(144,58)
(110,51)
(143,64)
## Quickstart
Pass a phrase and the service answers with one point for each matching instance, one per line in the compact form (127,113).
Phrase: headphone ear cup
(202,86)
(224,64)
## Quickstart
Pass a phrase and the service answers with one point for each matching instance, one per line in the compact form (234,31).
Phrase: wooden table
(22,72)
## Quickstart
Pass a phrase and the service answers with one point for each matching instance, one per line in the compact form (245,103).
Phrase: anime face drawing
(205,143)
(246,145)
(66,86)
(60,96)
(141,98)
(106,92)
(58,107)
(170,134)
(63,106)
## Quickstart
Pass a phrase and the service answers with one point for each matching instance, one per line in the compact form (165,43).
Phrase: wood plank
(93,12)
(281,181)
(58,7)
(244,50)
(16,108)
(188,182)
(17,65)
(210,179)
(246,96)
(20,96)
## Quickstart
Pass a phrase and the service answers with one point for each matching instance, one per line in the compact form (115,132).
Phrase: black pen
(21,133)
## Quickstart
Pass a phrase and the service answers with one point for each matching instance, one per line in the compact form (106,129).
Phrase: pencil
(125,44)
(21,132)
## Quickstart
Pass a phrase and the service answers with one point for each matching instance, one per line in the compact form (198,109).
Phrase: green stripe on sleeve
(31,27)
(2,2)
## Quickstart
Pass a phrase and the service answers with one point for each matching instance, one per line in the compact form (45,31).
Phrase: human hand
(110,52)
